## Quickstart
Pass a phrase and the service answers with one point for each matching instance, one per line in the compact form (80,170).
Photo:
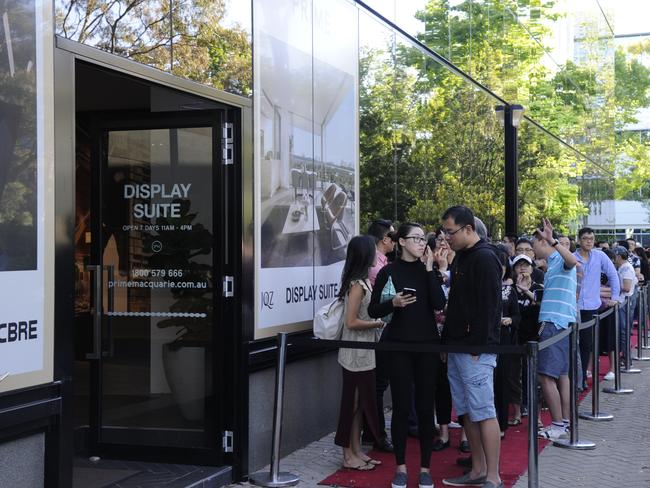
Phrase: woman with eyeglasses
(413,308)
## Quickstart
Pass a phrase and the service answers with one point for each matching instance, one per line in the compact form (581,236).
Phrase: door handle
(96,270)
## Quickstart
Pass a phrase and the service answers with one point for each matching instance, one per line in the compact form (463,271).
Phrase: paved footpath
(621,458)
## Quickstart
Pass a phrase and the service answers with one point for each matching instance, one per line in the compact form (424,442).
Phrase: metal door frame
(66,54)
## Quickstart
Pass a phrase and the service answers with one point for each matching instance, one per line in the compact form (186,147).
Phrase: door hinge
(228,286)
(226,143)
(227,441)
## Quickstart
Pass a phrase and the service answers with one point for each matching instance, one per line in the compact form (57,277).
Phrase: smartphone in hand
(409,291)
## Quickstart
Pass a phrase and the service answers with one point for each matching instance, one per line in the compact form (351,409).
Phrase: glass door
(156,348)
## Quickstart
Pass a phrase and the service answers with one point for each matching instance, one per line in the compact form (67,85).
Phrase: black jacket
(474,304)
(415,322)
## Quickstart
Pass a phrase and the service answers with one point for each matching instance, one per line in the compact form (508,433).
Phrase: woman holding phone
(413,310)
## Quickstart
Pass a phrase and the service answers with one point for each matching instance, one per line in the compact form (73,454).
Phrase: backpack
(328,321)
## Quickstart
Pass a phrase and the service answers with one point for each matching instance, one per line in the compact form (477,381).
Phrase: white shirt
(626,272)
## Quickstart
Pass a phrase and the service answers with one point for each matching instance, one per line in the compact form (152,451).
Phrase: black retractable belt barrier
(629,319)
(641,336)
(275,478)
(596,414)
(574,441)
(617,390)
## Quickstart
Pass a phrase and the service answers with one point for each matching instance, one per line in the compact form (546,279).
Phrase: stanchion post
(641,338)
(275,478)
(628,338)
(644,300)
(617,390)
(574,441)
(533,413)
(596,414)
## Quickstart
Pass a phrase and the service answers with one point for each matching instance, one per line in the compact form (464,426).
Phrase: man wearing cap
(590,266)
(628,280)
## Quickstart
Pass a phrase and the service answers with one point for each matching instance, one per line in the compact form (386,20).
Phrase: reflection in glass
(18,192)
(198,40)
(426,134)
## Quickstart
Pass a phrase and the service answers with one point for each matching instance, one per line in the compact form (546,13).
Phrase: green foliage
(429,139)
(189,41)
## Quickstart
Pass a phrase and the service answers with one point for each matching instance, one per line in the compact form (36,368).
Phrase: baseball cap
(521,257)
(621,251)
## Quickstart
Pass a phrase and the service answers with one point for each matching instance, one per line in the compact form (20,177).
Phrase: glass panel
(208,42)
(428,138)
(18,195)
(158,300)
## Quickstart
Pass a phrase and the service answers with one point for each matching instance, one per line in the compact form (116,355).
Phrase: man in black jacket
(473,318)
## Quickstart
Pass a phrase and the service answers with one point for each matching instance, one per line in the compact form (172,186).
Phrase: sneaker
(524,411)
(425,480)
(464,480)
(489,484)
(609,376)
(399,481)
(588,374)
(552,434)
(454,425)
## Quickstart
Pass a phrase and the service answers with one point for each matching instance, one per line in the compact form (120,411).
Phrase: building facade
(179,180)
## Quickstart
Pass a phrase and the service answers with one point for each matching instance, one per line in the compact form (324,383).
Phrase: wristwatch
(555,243)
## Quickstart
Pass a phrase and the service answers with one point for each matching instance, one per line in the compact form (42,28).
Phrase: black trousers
(413,371)
(443,396)
(382,359)
(586,341)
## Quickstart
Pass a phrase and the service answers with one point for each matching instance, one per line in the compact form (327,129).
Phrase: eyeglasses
(450,233)
(417,239)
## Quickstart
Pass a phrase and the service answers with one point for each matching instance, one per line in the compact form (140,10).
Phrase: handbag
(328,321)
(387,293)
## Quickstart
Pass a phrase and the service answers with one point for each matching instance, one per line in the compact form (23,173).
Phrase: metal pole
(275,478)
(596,414)
(574,442)
(644,300)
(641,338)
(533,413)
(628,338)
(617,390)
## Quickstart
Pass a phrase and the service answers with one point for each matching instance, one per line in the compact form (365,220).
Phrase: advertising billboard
(25,135)
(306,156)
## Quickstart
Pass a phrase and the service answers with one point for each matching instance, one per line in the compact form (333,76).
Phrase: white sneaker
(609,376)
(455,425)
(553,434)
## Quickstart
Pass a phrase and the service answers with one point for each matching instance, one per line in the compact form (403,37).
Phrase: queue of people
(455,287)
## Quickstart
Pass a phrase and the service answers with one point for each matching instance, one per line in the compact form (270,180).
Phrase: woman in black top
(419,296)
(529,296)
(506,386)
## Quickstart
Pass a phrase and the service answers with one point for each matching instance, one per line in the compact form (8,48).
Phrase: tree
(184,37)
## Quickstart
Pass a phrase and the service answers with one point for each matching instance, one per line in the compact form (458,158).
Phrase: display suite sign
(25,345)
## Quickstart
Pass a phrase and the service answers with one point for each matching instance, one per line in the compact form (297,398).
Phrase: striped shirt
(559,301)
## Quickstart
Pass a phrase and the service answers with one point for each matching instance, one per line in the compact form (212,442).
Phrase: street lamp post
(510,117)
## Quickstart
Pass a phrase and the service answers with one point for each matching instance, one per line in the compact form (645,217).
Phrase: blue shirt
(589,293)
(559,301)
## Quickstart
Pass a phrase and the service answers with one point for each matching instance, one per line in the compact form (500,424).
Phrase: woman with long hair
(358,396)
(413,308)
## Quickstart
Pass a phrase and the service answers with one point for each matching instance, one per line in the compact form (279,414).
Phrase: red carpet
(514,456)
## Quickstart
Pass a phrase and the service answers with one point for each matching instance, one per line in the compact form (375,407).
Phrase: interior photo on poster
(18,183)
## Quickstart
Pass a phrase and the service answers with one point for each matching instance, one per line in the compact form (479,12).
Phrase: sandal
(374,462)
(361,467)
(515,421)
